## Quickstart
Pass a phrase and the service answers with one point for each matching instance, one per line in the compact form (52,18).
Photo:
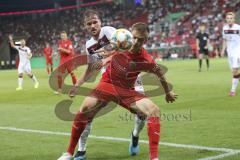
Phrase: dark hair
(89,13)
(140,26)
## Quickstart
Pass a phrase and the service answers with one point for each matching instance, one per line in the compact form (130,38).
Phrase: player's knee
(20,75)
(154,112)
(84,109)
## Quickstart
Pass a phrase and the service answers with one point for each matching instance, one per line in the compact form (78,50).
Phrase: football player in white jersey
(24,63)
(96,46)
(231,43)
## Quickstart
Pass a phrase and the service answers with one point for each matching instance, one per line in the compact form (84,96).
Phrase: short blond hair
(230,14)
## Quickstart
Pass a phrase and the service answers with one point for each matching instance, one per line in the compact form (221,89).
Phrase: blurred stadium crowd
(166,32)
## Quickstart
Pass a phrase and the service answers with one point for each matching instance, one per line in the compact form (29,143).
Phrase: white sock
(83,138)
(139,124)
(234,84)
(20,81)
(34,79)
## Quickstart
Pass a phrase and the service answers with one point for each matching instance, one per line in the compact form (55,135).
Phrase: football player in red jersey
(66,52)
(117,85)
(47,51)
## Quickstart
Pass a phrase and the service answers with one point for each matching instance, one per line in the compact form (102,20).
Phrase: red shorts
(49,61)
(65,67)
(108,92)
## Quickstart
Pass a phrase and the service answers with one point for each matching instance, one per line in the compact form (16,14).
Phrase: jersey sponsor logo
(100,44)
(22,49)
(230,31)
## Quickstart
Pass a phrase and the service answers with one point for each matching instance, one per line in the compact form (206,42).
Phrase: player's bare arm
(158,71)
(224,46)
(29,55)
(84,77)
(197,44)
(170,96)
(11,41)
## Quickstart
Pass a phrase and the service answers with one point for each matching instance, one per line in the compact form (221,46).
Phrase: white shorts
(24,68)
(139,85)
(234,62)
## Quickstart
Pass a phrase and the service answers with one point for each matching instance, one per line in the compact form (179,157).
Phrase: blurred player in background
(66,52)
(97,47)
(24,63)
(231,42)
(202,43)
(47,51)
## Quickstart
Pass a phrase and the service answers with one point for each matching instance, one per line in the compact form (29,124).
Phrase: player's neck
(230,25)
(96,37)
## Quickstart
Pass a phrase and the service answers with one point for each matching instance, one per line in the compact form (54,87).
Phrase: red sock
(74,79)
(153,136)
(60,82)
(78,127)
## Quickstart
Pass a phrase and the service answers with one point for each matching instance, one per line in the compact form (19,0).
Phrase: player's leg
(200,57)
(20,82)
(89,108)
(235,80)
(138,125)
(28,70)
(20,77)
(234,64)
(207,60)
(74,78)
(146,107)
(81,153)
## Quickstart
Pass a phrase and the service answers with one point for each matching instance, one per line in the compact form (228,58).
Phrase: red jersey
(66,44)
(47,53)
(119,72)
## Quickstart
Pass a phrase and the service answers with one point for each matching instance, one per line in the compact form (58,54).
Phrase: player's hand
(171,97)
(73,91)
(60,49)
(29,56)
(10,37)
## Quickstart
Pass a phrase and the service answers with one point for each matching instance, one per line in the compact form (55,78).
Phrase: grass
(211,117)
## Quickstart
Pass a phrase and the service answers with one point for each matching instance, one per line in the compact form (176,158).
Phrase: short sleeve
(108,31)
(17,47)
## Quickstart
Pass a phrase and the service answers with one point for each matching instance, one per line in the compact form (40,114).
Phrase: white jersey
(103,40)
(23,54)
(232,37)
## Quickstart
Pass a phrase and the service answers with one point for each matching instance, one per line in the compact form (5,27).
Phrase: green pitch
(203,115)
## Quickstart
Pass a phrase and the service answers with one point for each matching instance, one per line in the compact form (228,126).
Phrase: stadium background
(173,23)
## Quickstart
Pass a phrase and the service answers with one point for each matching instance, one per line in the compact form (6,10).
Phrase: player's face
(202,28)
(23,42)
(93,25)
(230,19)
(63,36)
(139,39)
